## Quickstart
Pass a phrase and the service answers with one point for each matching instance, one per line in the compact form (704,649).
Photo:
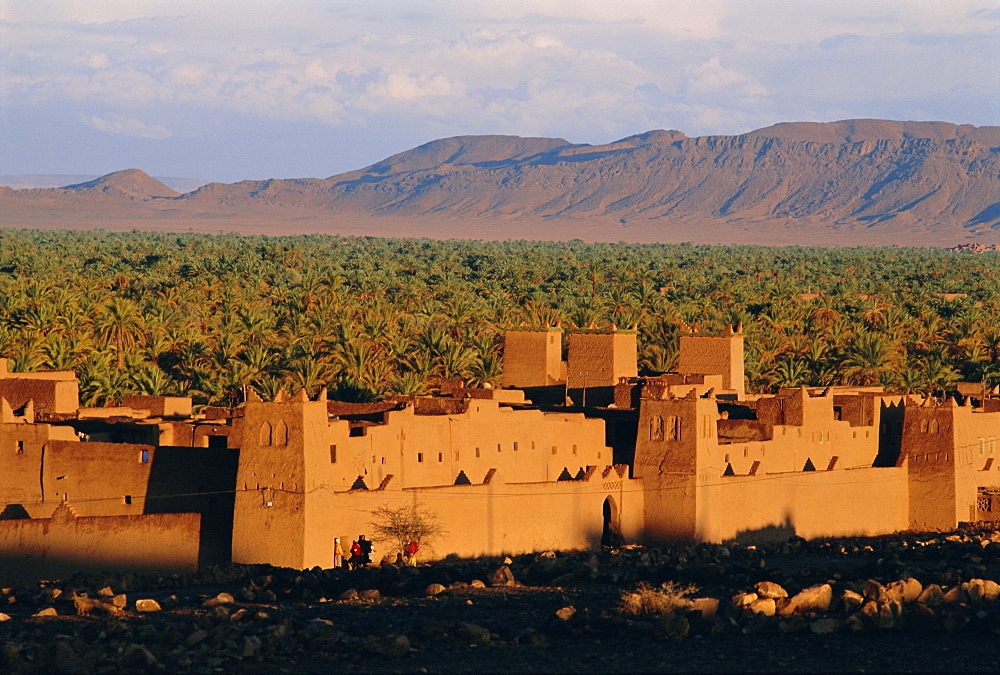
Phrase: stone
(370,595)
(852,599)
(672,625)
(435,589)
(764,606)
(477,583)
(955,595)
(932,596)
(349,594)
(250,647)
(886,617)
(48,611)
(742,600)
(220,599)
(708,607)
(855,624)
(195,637)
(120,600)
(769,589)
(875,591)
(503,577)
(106,592)
(147,605)
(908,589)
(566,613)
(793,624)
(812,599)
(825,625)
(136,656)
(473,633)
(4,617)
(395,646)
(85,606)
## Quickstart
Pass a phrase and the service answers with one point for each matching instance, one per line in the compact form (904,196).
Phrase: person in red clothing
(355,559)
(411,553)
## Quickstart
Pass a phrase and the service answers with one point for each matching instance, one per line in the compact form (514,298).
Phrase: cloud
(586,70)
(125,126)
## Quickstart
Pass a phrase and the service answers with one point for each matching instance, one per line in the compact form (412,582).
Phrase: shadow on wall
(14,512)
(765,535)
(210,491)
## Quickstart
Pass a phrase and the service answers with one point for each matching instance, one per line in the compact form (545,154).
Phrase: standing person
(411,553)
(338,554)
(355,560)
(366,550)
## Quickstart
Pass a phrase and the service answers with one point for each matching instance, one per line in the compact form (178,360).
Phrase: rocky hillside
(855,181)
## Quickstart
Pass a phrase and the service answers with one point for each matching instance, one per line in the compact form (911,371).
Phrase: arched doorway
(612,533)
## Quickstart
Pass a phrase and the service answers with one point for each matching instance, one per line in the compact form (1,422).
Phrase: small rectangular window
(574,448)
(333,454)
(144,457)
(420,456)
(554,449)
(515,446)
(383,460)
(128,499)
(20,447)
(440,456)
(477,452)
(498,447)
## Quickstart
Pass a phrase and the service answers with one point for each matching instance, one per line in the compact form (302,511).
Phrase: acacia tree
(400,525)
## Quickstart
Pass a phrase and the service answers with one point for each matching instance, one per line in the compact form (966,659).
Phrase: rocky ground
(914,602)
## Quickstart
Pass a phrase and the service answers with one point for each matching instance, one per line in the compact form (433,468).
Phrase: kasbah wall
(275,482)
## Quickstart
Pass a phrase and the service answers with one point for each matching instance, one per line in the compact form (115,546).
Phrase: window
(515,446)
(477,451)
(574,448)
(655,428)
(20,447)
(333,454)
(555,449)
(440,456)
(420,456)
(981,446)
(144,456)
(498,447)
(128,499)
(383,460)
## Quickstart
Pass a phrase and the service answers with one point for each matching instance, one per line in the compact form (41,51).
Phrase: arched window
(265,434)
(656,428)
(280,434)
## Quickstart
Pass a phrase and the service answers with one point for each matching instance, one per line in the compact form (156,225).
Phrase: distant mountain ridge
(841,183)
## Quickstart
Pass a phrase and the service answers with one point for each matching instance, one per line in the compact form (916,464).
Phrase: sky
(231,90)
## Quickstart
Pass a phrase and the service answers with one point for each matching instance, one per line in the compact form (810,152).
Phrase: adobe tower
(714,354)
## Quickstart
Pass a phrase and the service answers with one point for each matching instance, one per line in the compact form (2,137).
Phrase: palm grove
(209,316)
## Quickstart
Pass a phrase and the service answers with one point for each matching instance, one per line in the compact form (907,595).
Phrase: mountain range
(854,182)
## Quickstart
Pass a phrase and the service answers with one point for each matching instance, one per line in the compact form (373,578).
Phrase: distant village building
(568,455)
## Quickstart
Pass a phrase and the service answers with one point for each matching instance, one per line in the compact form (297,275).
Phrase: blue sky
(226,91)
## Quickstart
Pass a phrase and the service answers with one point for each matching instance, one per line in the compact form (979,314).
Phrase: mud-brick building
(485,470)
(573,453)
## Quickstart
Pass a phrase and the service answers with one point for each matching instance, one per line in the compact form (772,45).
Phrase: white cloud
(126,126)
(588,70)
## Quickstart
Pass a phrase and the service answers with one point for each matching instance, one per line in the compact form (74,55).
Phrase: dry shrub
(648,600)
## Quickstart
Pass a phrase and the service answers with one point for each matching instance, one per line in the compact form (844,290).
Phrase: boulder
(708,607)
(435,589)
(765,606)
(906,590)
(147,605)
(769,589)
(349,594)
(566,613)
(503,577)
(826,625)
(812,599)
(48,611)
(220,599)
(932,596)
(473,634)
(852,599)
(476,583)
(370,595)
(742,600)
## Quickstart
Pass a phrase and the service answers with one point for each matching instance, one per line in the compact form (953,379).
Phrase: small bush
(647,600)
